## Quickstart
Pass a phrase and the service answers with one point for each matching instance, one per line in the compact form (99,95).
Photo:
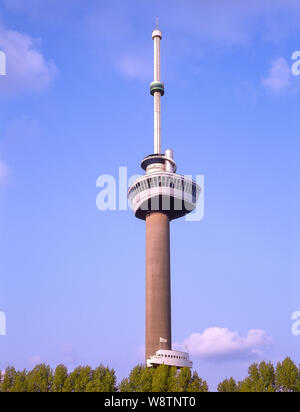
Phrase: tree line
(265,377)
(262,377)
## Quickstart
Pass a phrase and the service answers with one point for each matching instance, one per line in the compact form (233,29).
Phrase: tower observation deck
(158,197)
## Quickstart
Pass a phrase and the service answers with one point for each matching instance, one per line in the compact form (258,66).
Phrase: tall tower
(159,196)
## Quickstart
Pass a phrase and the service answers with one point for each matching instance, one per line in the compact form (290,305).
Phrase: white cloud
(69,354)
(3,172)
(238,22)
(221,344)
(119,35)
(27,69)
(279,77)
(34,360)
(121,46)
(135,66)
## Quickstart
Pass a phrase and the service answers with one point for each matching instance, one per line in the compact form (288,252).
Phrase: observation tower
(158,197)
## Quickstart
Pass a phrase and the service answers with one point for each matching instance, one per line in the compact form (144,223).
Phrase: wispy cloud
(118,34)
(134,66)
(279,77)
(222,344)
(234,21)
(113,38)
(69,354)
(118,31)
(33,361)
(27,69)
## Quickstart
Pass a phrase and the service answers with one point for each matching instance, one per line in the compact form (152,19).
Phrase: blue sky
(74,105)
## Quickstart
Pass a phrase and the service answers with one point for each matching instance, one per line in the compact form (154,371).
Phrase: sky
(75,105)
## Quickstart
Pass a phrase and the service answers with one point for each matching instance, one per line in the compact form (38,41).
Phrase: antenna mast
(157,89)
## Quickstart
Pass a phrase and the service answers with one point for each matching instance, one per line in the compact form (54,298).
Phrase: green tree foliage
(147,379)
(228,385)
(79,379)
(196,384)
(20,382)
(40,379)
(8,379)
(264,377)
(287,377)
(140,380)
(102,380)
(133,382)
(183,380)
(261,378)
(59,378)
(162,379)
(124,385)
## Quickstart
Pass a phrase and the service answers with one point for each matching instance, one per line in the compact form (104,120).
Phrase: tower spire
(157,89)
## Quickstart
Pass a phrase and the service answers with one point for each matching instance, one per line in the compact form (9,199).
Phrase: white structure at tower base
(171,358)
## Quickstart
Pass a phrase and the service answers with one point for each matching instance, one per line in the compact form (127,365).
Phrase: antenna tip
(156,32)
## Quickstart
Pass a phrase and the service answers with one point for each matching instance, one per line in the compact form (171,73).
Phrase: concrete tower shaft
(158,286)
